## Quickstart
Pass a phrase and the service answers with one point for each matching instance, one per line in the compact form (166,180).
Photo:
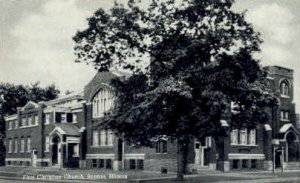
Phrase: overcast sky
(36,38)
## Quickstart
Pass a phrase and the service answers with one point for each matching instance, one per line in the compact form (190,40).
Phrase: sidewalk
(98,175)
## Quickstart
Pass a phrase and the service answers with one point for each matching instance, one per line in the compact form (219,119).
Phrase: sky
(36,39)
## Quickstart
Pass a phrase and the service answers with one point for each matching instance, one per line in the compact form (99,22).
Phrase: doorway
(56,151)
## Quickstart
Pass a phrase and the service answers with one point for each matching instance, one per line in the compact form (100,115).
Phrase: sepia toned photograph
(149,91)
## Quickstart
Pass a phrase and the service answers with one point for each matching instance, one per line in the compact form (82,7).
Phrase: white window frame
(252,137)
(234,137)
(22,145)
(47,118)
(47,143)
(10,145)
(95,138)
(74,118)
(16,145)
(28,144)
(243,136)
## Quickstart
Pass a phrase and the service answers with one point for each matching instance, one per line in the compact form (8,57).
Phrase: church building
(63,133)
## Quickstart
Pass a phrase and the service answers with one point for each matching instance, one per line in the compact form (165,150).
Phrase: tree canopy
(201,62)
(18,95)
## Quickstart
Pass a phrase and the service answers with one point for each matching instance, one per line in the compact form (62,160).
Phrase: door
(59,152)
(200,147)
(34,157)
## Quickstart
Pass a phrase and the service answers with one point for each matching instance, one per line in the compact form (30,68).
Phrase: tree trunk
(180,159)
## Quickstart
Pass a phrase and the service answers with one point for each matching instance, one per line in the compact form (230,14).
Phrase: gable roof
(30,105)
(99,79)
(66,129)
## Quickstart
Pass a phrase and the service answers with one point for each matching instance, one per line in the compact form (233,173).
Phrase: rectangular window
(132,164)
(28,144)
(47,118)
(16,124)
(108,164)
(22,145)
(47,143)
(64,118)
(74,118)
(245,163)
(101,163)
(23,121)
(16,145)
(252,137)
(36,120)
(110,138)
(243,137)
(161,146)
(103,138)
(95,138)
(94,163)
(253,163)
(235,164)
(234,136)
(10,146)
(9,125)
(140,164)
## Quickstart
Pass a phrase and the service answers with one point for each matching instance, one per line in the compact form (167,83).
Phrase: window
(132,164)
(284,115)
(108,164)
(245,163)
(94,163)
(9,125)
(252,137)
(234,136)
(23,121)
(235,164)
(28,144)
(109,138)
(243,136)
(22,145)
(74,118)
(102,102)
(16,145)
(16,124)
(36,120)
(140,164)
(64,117)
(253,163)
(47,143)
(284,88)
(161,146)
(9,145)
(47,118)
(95,138)
(30,121)
(101,163)
(103,138)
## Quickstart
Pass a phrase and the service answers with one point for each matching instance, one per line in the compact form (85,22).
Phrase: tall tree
(18,95)
(201,62)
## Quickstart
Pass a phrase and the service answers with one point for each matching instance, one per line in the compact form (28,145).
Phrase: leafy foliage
(201,61)
(18,95)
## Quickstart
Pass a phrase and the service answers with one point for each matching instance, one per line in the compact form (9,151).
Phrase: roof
(66,129)
(286,127)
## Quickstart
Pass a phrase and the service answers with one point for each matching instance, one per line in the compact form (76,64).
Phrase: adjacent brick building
(64,133)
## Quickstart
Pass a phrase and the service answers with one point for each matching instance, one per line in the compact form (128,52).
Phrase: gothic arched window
(284,88)
(102,102)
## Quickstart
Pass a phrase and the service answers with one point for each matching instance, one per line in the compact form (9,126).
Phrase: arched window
(284,88)
(102,102)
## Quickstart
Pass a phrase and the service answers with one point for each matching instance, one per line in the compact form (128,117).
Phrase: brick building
(62,133)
